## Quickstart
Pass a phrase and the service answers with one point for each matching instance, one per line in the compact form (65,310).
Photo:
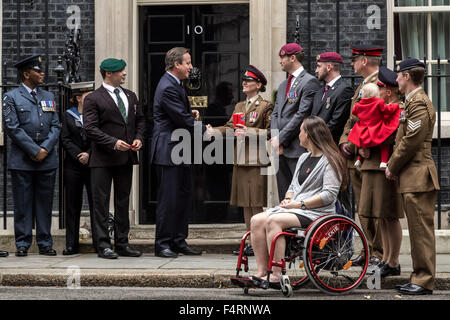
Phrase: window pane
(440,30)
(440,3)
(443,90)
(410,3)
(410,35)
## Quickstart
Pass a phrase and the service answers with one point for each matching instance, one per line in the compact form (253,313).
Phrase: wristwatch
(302,203)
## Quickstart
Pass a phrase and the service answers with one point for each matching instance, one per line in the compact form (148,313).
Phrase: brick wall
(33,33)
(353,29)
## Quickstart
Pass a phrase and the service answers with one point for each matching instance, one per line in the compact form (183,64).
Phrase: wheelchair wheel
(330,247)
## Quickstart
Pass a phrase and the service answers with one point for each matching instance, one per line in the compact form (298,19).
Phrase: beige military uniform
(369,226)
(411,161)
(249,186)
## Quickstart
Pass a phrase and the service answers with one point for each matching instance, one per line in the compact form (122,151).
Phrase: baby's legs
(384,155)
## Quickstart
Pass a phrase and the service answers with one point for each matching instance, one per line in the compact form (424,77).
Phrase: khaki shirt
(257,121)
(411,159)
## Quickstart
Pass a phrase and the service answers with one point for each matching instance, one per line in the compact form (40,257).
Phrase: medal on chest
(253,116)
(327,106)
(292,97)
(48,106)
(402,118)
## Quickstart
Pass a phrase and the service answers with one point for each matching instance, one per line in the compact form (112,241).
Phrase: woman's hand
(241,129)
(290,204)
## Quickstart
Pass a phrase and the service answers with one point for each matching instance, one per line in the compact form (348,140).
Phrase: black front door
(218,37)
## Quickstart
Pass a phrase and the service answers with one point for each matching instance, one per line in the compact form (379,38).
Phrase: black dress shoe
(248,251)
(4,254)
(107,253)
(386,270)
(413,289)
(69,251)
(21,252)
(188,251)
(47,251)
(166,253)
(128,252)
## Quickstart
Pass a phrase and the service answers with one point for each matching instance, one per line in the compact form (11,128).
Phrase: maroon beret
(330,57)
(290,48)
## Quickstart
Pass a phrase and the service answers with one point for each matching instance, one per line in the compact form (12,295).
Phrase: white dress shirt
(122,95)
(295,75)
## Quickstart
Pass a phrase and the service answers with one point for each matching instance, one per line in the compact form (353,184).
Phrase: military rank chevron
(413,125)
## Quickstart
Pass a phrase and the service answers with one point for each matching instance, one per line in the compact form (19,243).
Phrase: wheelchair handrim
(315,277)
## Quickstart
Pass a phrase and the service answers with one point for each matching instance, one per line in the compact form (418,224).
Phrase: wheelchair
(323,253)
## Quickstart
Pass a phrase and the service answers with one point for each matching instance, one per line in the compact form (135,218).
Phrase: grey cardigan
(322,181)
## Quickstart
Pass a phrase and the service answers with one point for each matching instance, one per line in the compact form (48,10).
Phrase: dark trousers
(33,199)
(101,179)
(285,173)
(75,179)
(174,206)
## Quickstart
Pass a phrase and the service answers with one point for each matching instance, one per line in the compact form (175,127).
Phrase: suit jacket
(31,127)
(73,138)
(257,120)
(104,125)
(411,159)
(334,108)
(171,111)
(288,113)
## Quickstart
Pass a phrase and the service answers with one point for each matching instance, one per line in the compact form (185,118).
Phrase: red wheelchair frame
(321,234)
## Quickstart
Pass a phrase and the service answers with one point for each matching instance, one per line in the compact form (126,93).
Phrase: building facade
(224,36)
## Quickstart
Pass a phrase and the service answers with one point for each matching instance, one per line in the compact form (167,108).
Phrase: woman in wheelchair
(319,176)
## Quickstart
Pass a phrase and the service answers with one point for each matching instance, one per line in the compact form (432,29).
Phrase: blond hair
(370,90)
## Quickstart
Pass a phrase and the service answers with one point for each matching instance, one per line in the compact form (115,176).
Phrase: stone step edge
(156,278)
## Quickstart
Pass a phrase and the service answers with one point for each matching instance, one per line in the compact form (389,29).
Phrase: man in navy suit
(32,124)
(332,102)
(172,111)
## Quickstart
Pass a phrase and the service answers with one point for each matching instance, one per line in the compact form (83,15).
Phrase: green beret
(112,65)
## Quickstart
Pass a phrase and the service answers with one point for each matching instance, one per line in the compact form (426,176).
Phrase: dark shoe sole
(411,293)
(129,255)
(21,254)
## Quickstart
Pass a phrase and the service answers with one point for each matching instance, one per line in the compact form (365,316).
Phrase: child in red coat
(377,121)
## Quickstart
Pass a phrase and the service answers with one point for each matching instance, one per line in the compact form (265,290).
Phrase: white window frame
(429,9)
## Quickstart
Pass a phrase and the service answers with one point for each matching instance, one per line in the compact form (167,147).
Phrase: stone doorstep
(159,278)
(208,245)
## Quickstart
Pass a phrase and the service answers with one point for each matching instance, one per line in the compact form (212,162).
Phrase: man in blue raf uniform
(32,124)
